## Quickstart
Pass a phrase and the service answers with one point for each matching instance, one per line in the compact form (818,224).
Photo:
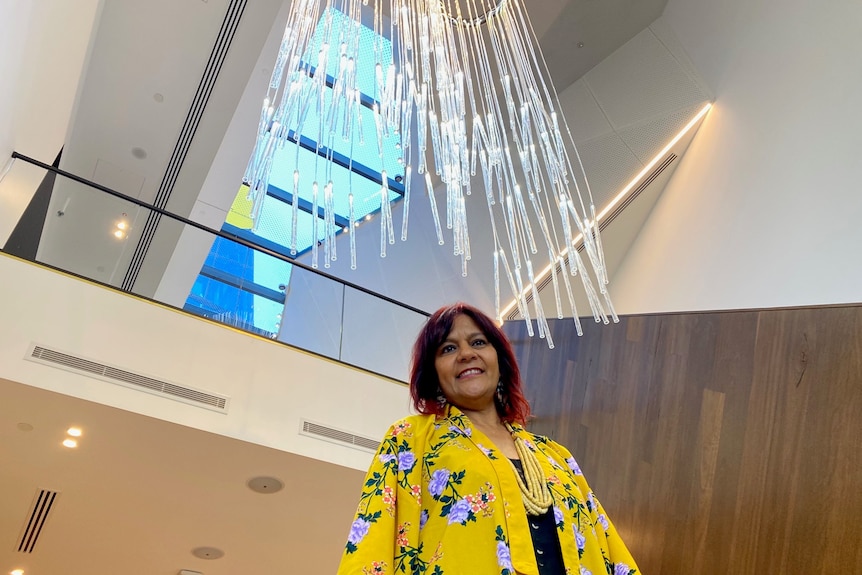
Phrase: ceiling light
(121,225)
(74,431)
(70,443)
(516,143)
(119,234)
(16,572)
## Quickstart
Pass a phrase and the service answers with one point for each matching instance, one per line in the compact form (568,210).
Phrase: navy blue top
(546,542)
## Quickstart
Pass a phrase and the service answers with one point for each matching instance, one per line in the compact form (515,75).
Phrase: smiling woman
(442,494)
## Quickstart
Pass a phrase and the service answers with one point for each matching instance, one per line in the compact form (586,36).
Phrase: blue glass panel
(271,272)
(366,194)
(372,48)
(275,225)
(220,300)
(232,258)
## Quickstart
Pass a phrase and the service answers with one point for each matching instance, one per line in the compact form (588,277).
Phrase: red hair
(424,383)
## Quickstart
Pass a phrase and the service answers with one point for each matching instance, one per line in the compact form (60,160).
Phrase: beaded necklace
(534,491)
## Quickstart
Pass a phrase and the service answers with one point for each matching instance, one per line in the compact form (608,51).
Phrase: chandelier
(463,91)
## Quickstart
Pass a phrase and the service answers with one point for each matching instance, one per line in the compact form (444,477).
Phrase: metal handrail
(219,233)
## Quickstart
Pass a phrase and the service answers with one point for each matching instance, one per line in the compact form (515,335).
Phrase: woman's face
(467,366)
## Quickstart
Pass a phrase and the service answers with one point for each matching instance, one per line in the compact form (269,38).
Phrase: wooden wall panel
(719,442)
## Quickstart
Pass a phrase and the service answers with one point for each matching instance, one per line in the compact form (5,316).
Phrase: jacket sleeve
(618,559)
(387,503)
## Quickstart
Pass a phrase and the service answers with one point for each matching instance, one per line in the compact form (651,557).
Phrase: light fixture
(119,234)
(465,91)
(70,443)
(607,209)
(74,431)
(16,572)
(122,225)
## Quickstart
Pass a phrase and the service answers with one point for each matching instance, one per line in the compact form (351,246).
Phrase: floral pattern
(438,500)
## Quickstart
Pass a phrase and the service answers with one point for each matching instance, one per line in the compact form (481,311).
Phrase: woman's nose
(466,352)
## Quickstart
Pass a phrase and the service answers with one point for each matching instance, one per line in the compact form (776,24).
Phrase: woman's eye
(447,348)
(479,343)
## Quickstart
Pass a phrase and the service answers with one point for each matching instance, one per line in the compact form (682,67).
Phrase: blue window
(244,287)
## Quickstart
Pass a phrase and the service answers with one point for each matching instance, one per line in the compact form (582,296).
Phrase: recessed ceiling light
(16,572)
(74,431)
(119,234)
(207,553)
(139,153)
(121,225)
(265,485)
(70,443)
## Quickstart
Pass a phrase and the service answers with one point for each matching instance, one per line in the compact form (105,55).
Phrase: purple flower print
(573,465)
(580,539)
(438,482)
(504,556)
(585,571)
(423,519)
(459,512)
(558,515)
(406,459)
(604,521)
(621,569)
(358,531)
(386,457)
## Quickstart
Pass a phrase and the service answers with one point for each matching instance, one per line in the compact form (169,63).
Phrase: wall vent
(327,433)
(111,374)
(41,508)
(606,221)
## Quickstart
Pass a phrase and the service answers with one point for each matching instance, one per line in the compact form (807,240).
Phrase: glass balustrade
(65,222)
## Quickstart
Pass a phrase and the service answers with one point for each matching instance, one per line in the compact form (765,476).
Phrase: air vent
(43,503)
(128,379)
(606,221)
(337,436)
(207,84)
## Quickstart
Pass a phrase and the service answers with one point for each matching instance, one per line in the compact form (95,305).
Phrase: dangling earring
(500,398)
(441,397)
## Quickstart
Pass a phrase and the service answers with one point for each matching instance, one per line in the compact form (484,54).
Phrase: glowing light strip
(619,197)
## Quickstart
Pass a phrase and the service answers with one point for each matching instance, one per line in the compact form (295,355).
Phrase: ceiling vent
(337,436)
(111,374)
(41,508)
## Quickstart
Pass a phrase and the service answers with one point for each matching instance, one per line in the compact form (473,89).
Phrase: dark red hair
(424,383)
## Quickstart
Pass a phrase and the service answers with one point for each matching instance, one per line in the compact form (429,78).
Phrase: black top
(546,542)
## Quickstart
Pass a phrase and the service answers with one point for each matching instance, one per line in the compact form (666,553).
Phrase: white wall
(271,386)
(764,209)
(43,45)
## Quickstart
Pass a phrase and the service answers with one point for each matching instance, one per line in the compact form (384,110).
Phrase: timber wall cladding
(719,442)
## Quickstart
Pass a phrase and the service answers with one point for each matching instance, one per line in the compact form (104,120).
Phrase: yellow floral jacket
(440,500)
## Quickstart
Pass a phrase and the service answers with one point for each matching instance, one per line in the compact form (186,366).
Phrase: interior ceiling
(140,493)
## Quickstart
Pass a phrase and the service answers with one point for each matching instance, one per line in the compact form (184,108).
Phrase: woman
(463,488)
